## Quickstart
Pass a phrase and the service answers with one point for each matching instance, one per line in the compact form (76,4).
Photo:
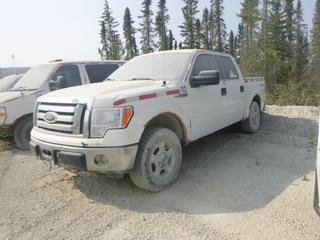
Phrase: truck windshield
(34,78)
(165,66)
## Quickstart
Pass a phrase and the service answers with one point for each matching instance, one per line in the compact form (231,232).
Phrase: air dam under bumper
(101,160)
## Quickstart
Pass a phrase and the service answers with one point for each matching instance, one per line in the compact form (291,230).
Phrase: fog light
(101,160)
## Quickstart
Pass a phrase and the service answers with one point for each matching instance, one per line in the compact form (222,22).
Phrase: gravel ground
(232,186)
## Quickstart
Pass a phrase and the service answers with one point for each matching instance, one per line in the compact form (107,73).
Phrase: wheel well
(257,99)
(22,118)
(171,121)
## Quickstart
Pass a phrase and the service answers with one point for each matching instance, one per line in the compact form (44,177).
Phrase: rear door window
(100,72)
(229,71)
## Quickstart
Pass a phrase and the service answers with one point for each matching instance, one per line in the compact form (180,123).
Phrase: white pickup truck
(317,185)
(16,105)
(137,121)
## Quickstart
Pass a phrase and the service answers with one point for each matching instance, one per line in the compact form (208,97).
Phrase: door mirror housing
(206,78)
(56,84)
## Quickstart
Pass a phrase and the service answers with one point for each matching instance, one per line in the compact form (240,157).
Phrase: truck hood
(108,89)
(14,95)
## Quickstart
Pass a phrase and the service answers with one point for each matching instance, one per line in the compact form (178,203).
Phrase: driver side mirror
(206,78)
(56,84)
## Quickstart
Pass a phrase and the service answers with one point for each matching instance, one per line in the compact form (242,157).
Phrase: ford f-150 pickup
(137,121)
(16,105)
(317,186)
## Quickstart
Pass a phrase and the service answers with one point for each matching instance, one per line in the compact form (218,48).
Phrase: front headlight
(105,119)
(3,115)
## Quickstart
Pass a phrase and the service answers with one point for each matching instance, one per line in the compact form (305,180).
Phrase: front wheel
(22,133)
(158,160)
(252,124)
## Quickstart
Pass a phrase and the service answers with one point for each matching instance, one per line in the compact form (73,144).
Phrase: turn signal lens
(127,114)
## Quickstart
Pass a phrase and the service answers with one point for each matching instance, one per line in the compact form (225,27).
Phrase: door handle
(241,89)
(223,91)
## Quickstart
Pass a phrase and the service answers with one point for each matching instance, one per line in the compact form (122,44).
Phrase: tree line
(272,40)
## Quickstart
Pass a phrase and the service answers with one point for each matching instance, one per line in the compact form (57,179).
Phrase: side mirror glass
(56,84)
(206,78)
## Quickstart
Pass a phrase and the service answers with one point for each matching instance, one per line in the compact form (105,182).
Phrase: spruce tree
(205,29)
(289,14)
(129,31)
(218,26)
(315,46)
(170,41)
(189,12)
(231,47)
(249,16)
(175,45)
(147,32)
(162,19)
(197,34)
(110,39)
(300,46)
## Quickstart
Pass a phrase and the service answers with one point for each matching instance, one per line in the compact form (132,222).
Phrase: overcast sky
(36,31)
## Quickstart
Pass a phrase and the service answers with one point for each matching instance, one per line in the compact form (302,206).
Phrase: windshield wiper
(23,89)
(142,79)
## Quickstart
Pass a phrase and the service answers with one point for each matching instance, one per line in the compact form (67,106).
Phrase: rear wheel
(252,124)
(22,134)
(158,160)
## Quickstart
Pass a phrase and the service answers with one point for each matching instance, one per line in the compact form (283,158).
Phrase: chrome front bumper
(116,159)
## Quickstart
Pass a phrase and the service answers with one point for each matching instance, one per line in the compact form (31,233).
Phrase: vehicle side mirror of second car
(206,78)
(56,84)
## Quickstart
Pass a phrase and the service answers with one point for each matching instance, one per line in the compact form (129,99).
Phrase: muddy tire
(22,134)
(158,160)
(252,124)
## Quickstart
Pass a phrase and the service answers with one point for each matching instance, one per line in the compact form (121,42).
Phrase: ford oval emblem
(50,117)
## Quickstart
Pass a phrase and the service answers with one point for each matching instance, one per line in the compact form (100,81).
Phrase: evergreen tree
(249,23)
(300,46)
(231,47)
(175,45)
(198,34)
(315,46)
(289,14)
(147,32)
(162,19)
(189,12)
(205,29)
(170,41)
(129,31)
(110,39)
(218,26)
(272,60)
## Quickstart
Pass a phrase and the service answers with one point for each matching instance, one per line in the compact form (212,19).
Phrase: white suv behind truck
(137,121)
(16,105)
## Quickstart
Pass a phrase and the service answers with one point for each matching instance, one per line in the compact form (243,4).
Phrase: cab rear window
(100,72)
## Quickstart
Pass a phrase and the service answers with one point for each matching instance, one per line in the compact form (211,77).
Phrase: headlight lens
(3,115)
(105,119)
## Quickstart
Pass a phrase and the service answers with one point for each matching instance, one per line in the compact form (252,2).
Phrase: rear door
(100,72)
(233,83)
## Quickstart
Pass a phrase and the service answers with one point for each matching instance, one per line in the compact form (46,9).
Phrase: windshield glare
(34,78)
(158,67)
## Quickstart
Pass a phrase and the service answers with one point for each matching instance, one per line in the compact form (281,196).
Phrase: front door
(205,103)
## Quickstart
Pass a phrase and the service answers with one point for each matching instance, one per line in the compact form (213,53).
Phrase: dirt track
(232,186)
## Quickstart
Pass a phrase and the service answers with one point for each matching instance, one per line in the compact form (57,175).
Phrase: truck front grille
(61,118)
